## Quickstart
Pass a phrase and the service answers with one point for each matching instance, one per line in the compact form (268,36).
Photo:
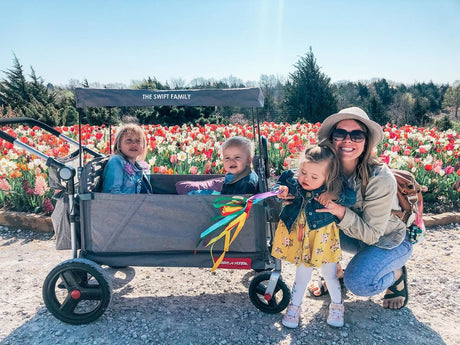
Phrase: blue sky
(405,41)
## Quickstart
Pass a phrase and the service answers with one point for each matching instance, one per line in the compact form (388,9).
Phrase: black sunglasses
(339,134)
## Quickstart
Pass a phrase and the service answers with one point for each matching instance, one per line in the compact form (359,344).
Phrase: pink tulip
(449,170)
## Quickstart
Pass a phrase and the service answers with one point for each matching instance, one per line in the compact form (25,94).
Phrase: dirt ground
(154,305)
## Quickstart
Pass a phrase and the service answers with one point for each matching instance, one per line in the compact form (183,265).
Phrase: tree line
(306,95)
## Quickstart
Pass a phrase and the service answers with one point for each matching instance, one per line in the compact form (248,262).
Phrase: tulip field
(433,156)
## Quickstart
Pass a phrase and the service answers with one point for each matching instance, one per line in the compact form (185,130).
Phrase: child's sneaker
(291,318)
(335,317)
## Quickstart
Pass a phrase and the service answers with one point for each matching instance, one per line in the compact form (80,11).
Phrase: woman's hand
(325,198)
(333,208)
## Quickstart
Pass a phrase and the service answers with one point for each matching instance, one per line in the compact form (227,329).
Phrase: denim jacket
(306,200)
(246,185)
(122,177)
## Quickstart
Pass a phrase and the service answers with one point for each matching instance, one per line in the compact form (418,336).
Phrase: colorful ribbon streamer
(234,212)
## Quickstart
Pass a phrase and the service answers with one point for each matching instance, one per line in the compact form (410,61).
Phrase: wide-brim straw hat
(375,131)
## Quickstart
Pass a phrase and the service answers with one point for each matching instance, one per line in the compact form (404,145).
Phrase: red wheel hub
(75,294)
(267,297)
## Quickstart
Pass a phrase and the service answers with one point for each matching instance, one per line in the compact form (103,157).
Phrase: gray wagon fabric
(61,223)
(163,230)
(147,223)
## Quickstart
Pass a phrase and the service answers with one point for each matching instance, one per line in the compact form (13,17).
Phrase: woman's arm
(334,205)
(370,223)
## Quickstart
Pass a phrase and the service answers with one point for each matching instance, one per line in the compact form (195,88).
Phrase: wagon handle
(50,161)
(55,132)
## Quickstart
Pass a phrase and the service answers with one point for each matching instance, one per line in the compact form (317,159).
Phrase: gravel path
(154,305)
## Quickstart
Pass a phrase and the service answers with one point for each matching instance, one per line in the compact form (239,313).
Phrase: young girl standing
(124,171)
(307,238)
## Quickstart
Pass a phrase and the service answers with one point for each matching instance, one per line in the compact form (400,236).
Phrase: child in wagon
(237,155)
(124,173)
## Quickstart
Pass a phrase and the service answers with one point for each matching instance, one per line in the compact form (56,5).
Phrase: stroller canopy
(242,97)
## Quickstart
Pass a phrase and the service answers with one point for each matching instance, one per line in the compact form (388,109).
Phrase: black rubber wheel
(77,291)
(279,300)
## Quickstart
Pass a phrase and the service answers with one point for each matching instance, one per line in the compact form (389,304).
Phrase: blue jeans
(371,270)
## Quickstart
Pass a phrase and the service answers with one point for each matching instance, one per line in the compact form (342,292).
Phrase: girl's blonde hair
(241,142)
(130,129)
(325,153)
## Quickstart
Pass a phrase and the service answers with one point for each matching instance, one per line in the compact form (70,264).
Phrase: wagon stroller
(121,230)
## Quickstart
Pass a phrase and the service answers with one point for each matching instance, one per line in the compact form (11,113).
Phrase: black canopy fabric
(243,97)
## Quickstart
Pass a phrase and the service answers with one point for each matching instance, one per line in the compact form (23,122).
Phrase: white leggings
(303,276)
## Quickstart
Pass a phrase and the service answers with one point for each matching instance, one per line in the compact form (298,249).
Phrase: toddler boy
(237,154)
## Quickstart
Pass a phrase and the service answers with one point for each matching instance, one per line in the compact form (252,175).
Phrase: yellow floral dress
(310,247)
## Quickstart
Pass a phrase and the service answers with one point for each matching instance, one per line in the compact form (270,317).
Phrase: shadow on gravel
(224,318)
(22,236)
(120,276)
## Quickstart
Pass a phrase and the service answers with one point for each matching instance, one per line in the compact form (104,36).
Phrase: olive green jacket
(370,219)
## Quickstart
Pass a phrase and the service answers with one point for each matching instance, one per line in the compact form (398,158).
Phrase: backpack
(91,174)
(411,202)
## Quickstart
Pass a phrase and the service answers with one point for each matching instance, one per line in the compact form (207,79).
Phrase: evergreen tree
(14,89)
(38,90)
(152,84)
(420,110)
(363,91)
(443,124)
(309,94)
(432,93)
(347,94)
(376,110)
(68,116)
(383,90)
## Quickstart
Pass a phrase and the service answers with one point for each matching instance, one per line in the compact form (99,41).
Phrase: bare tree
(401,110)
(177,83)
(452,97)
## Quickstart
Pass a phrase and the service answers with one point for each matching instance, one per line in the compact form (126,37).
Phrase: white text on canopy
(166,96)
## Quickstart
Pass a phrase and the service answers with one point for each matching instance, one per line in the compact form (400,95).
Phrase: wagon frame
(100,229)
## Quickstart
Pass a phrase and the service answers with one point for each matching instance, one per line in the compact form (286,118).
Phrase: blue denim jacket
(247,185)
(306,200)
(117,178)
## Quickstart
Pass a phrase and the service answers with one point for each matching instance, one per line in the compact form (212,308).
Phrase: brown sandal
(321,290)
